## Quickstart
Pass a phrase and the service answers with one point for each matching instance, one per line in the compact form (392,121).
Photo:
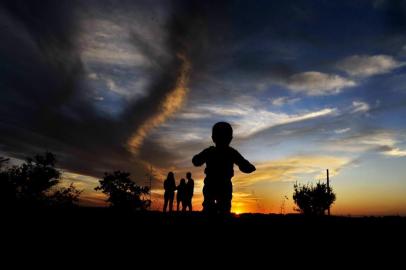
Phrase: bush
(313,200)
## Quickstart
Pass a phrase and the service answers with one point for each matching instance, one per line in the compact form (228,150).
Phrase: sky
(134,85)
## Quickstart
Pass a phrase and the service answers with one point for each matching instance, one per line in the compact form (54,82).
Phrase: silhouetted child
(170,187)
(220,160)
(190,186)
(181,195)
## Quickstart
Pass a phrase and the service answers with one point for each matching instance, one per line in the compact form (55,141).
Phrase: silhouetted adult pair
(184,192)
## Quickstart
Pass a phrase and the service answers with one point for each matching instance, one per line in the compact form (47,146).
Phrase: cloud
(114,55)
(342,130)
(384,142)
(280,101)
(224,110)
(292,168)
(251,118)
(82,182)
(52,104)
(172,102)
(395,152)
(366,66)
(191,115)
(360,106)
(264,119)
(99,98)
(315,83)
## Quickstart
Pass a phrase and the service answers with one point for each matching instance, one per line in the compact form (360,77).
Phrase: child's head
(189,175)
(222,134)
(183,181)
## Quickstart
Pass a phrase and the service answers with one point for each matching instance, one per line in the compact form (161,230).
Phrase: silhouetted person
(170,187)
(220,160)
(181,195)
(190,186)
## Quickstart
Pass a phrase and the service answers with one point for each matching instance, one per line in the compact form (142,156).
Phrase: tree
(35,177)
(65,196)
(122,192)
(313,200)
(34,183)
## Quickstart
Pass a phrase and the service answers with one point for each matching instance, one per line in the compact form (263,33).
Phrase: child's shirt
(220,163)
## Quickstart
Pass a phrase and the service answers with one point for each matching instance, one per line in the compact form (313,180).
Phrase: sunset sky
(125,85)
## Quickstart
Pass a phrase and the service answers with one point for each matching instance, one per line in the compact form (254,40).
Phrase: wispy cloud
(395,152)
(86,184)
(291,168)
(366,65)
(172,102)
(105,41)
(360,106)
(251,118)
(264,119)
(280,101)
(81,181)
(381,141)
(342,130)
(314,83)
(132,88)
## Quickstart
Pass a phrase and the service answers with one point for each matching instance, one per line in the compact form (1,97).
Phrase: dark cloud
(45,104)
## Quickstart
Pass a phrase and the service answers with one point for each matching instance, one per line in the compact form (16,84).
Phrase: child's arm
(244,165)
(200,159)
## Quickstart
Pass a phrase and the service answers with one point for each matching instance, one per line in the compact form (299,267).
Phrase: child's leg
(209,204)
(224,202)
(224,206)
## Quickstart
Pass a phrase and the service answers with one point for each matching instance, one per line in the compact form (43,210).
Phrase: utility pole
(328,190)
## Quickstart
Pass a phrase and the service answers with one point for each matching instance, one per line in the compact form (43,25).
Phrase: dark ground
(110,234)
(154,222)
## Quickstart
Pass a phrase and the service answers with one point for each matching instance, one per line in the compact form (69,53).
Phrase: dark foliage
(313,200)
(34,183)
(122,192)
